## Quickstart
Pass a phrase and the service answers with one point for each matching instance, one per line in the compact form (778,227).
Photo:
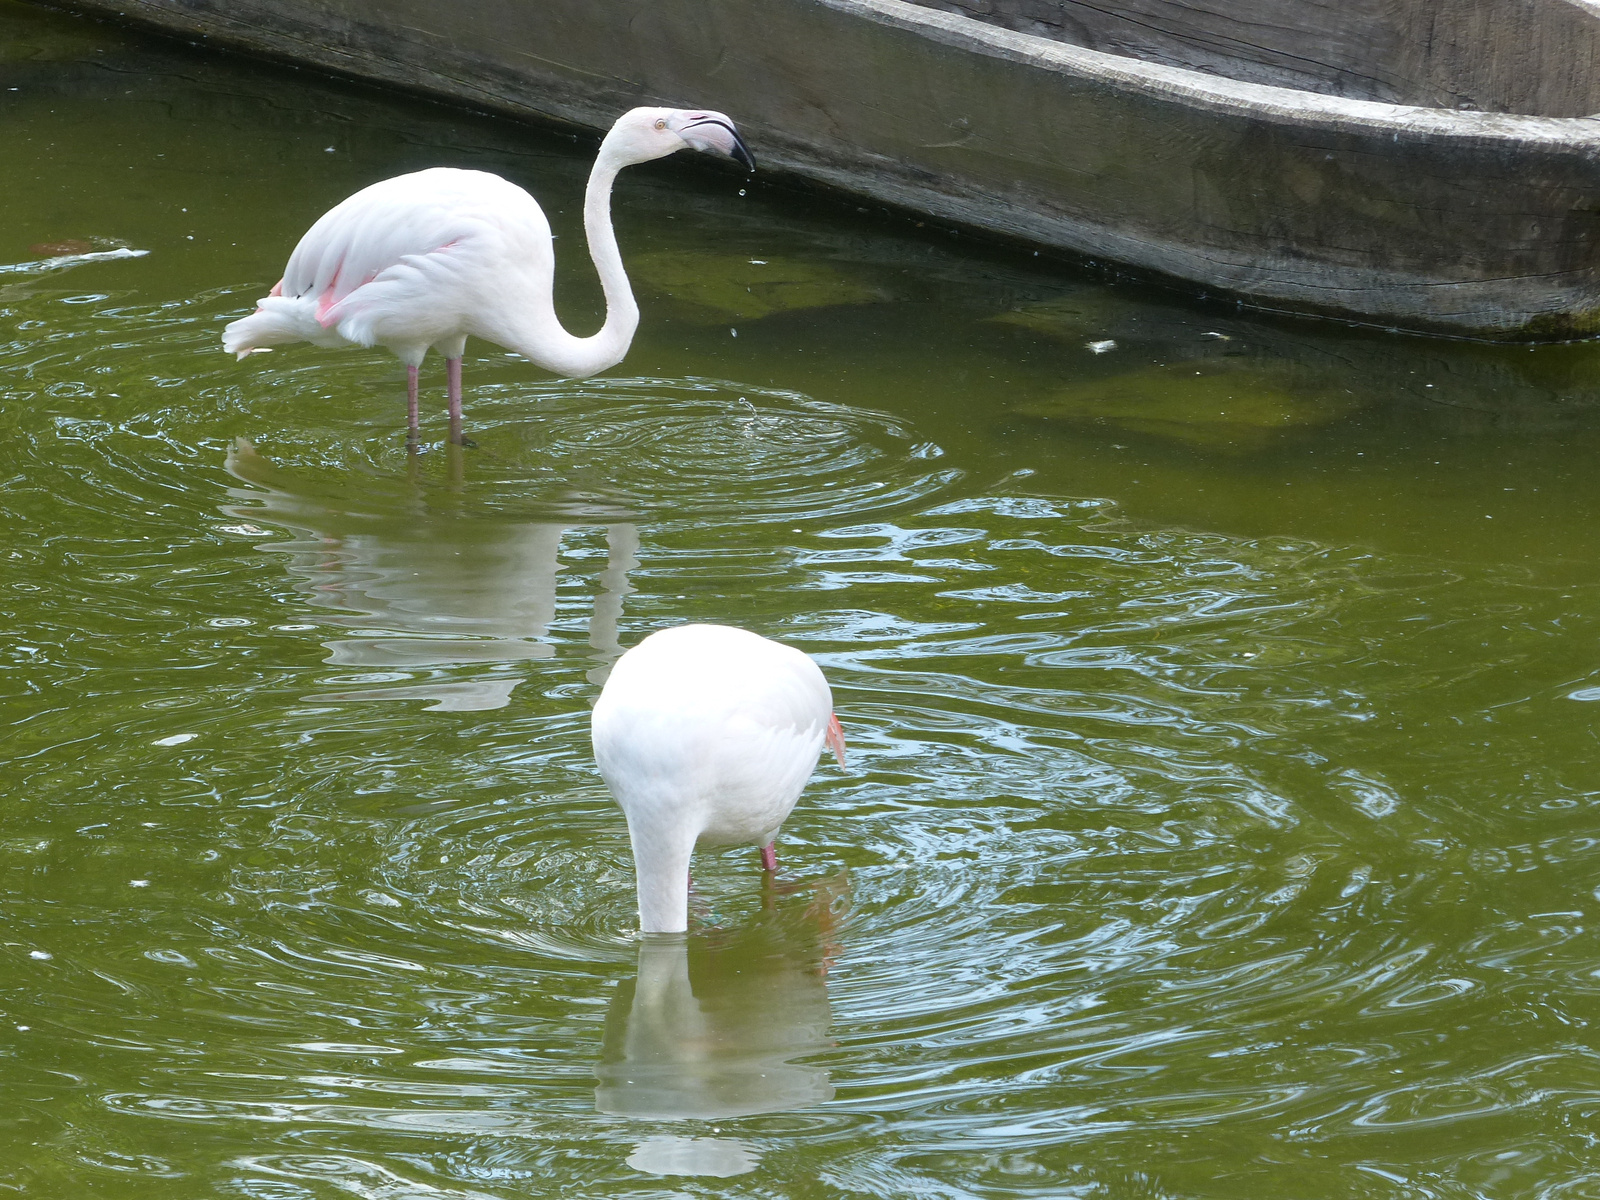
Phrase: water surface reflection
(426,588)
(713,1022)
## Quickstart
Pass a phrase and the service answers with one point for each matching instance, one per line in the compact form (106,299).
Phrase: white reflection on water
(668,1154)
(61,262)
(711,1025)
(441,589)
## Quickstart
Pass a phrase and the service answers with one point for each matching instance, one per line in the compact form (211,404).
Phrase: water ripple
(1158,848)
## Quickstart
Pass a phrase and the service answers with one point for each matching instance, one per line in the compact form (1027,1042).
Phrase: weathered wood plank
(1534,57)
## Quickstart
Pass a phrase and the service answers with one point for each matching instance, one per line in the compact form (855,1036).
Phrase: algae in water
(722,285)
(1227,402)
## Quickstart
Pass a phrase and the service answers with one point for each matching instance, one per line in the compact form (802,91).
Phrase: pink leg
(769,858)
(411,404)
(452,374)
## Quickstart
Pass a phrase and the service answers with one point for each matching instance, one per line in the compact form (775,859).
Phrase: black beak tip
(741,154)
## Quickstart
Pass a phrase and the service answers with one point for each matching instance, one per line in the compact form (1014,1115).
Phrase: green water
(1221,817)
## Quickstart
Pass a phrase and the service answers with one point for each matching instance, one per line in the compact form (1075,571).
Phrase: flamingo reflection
(713,1022)
(426,588)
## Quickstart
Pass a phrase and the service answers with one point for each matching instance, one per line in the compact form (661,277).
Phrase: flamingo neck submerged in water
(706,735)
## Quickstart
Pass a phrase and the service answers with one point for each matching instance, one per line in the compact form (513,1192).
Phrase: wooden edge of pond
(1472,224)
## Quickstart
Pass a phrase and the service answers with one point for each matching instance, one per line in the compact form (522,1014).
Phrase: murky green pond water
(1222,811)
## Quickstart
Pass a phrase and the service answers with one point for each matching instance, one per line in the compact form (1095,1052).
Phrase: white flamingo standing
(706,734)
(430,259)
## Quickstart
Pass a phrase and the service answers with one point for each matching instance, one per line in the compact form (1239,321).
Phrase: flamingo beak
(716,133)
(836,738)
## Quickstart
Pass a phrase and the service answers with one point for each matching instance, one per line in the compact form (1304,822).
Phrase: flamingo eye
(661,122)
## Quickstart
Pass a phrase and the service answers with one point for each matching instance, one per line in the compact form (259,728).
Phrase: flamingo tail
(277,321)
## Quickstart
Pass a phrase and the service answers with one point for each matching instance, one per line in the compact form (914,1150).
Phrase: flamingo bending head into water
(427,260)
(706,734)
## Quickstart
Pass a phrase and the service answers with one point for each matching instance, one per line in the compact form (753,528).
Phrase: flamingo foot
(836,737)
(769,858)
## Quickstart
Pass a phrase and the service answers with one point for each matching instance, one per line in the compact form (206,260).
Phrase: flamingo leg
(411,404)
(769,858)
(452,373)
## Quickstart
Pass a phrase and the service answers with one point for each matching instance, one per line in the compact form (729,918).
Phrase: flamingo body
(706,734)
(416,262)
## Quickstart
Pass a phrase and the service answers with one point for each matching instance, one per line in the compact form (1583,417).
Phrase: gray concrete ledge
(1469,223)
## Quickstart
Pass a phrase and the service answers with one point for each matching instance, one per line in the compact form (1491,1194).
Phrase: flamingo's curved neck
(545,341)
(622,312)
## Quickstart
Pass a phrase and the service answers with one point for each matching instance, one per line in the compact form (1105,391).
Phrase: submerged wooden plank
(1471,223)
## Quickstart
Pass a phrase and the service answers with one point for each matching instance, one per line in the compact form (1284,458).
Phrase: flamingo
(706,734)
(434,257)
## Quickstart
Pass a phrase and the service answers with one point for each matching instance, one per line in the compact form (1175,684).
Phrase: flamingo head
(642,134)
